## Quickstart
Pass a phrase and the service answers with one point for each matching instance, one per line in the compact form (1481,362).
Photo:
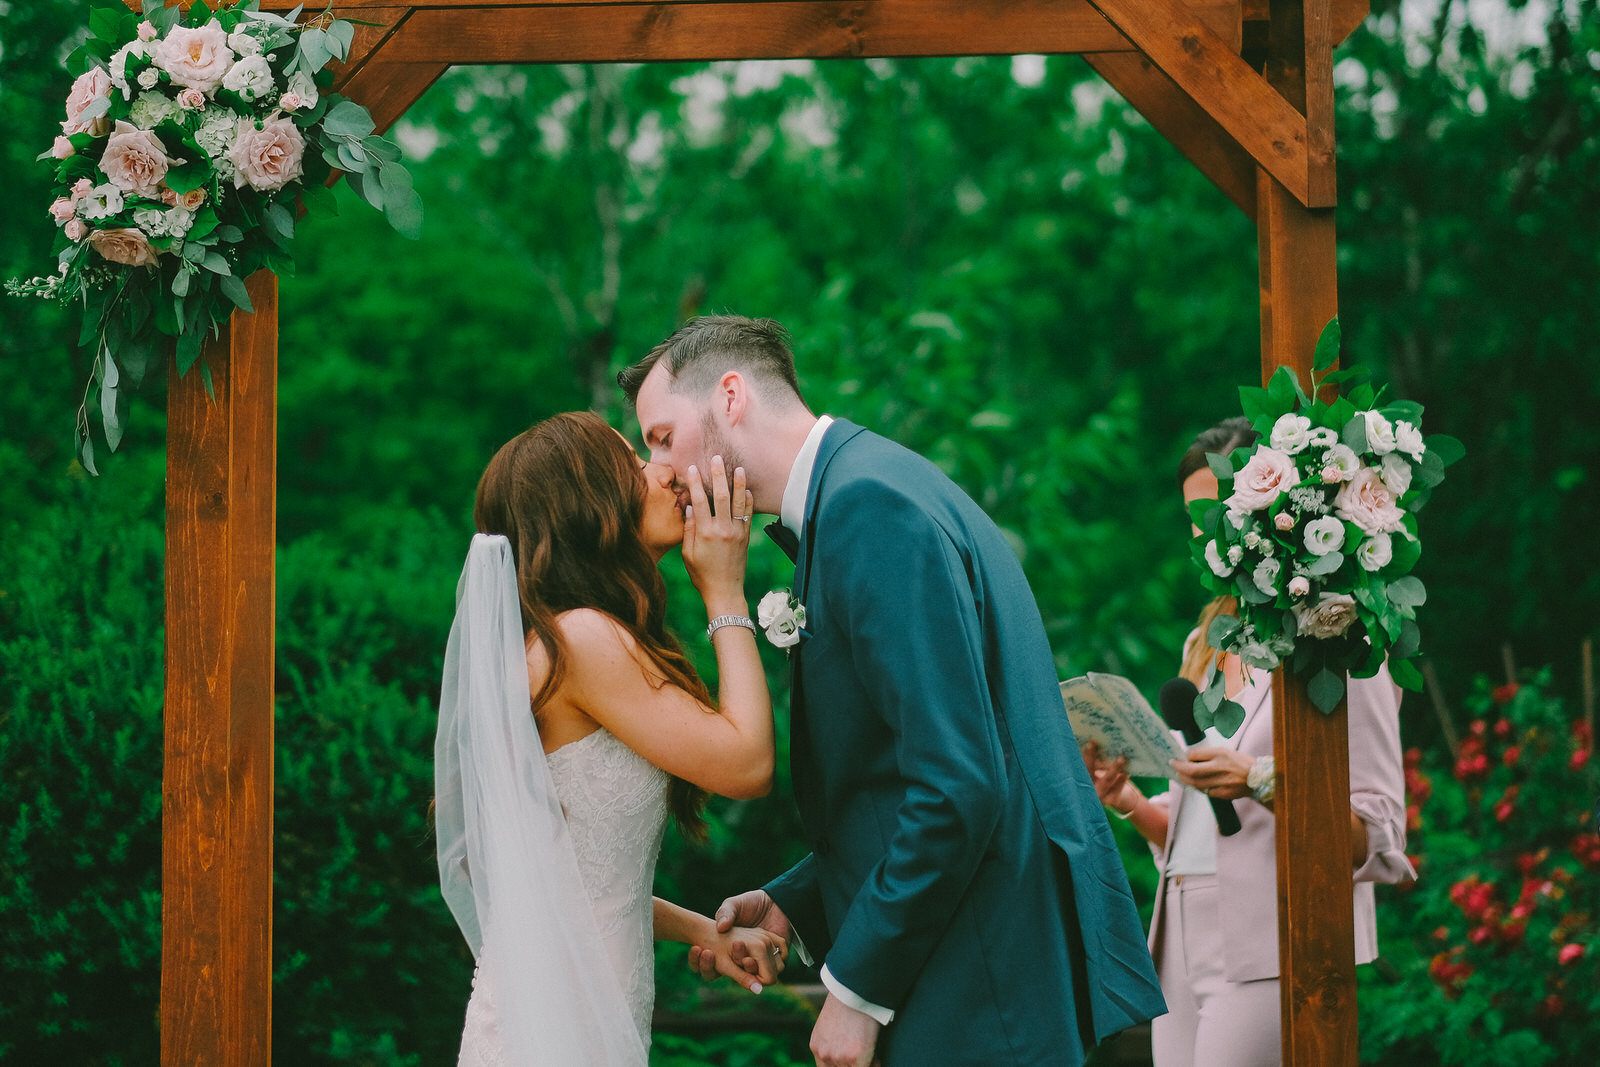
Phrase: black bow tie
(785,539)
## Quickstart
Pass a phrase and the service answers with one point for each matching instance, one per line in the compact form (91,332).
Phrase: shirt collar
(792,512)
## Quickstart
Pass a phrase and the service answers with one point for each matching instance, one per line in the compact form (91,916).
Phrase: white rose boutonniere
(783,618)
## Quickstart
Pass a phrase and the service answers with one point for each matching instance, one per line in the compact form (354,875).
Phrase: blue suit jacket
(962,871)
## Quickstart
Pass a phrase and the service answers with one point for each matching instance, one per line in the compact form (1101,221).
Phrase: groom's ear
(732,400)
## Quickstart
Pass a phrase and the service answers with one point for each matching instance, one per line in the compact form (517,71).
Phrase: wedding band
(742,518)
(774,950)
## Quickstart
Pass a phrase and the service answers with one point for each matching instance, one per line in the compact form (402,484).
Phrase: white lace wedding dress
(616,809)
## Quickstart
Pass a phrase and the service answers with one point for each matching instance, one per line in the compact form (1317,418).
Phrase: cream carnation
(124,246)
(1268,473)
(197,58)
(267,158)
(135,160)
(1367,502)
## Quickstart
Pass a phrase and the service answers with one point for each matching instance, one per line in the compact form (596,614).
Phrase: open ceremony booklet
(1108,710)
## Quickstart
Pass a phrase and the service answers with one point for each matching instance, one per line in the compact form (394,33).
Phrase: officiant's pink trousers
(1210,1021)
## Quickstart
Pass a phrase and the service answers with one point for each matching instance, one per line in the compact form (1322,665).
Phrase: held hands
(754,958)
(1217,771)
(752,911)
(1111,780)
(716,531)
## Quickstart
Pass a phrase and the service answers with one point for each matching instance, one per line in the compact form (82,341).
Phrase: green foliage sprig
(187,141)
(1315,533)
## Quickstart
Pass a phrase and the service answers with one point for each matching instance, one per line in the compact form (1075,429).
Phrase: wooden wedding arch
(1244,88)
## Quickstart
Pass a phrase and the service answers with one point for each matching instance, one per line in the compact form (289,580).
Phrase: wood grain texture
(1208,69)
(1175,115)
(387,89)
(216,967)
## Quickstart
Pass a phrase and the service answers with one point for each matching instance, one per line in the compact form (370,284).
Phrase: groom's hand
(754,909)
(843,1037)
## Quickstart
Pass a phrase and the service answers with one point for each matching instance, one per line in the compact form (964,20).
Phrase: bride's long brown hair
(569,496)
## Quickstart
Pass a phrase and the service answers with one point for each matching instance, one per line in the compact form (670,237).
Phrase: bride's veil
(507,867)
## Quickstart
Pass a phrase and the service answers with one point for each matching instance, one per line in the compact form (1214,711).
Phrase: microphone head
(1177,699)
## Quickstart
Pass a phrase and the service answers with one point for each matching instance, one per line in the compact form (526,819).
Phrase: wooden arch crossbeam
(1243,88)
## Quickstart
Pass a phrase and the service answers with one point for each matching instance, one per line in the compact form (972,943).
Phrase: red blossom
(1502,728)
(1504,693)
(1478,726)
(1586,847)
(1473,766)
(1581,731)
(1473,897)
(1413,757)
(1510,756)
(1481,935)
(1551,1006)
(1448,973)
(1569,955)
(1413,818)
(1504,810)
(1511,933)
(1579,760)
(1441,933)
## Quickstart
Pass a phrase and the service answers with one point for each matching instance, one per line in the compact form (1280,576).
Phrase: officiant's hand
(1219,772)
(754,909)
(716,533)
(1111,781)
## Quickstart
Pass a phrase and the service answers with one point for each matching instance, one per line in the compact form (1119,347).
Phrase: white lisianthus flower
(304,87)
(1380,433)
(1266,576)
(1375,552)
(1215,561)
(1291,433)
(1324,535)
(251,78)
(1396,471)
(1330,616)
(1322,437)
(102,202)
(1340,463)
(244,43)
(782,616)
(1408,439)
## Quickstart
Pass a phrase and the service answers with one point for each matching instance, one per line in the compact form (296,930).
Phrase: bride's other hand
(716,532)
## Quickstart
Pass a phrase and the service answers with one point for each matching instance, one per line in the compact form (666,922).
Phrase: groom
(963,890)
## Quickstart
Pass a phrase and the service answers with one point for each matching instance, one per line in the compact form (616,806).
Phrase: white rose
(1291,433)
(251,78)
(119,64)
(1235,554)
(1330,616)
(1268,473)
(197,58)
(1266,576)
(1339,464)
(1375,552)
(1368,503)
(1380,433)
(1408,439)
(1396,473)
(1214,560)
(781,618)
(1324,535)
(149,78)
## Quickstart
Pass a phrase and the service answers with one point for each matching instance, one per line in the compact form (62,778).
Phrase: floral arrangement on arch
(1316,534)
(186,142)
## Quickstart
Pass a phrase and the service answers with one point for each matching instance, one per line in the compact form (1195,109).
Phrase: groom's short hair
(702,350)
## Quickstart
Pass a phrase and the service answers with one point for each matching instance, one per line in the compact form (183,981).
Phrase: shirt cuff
(882,1016)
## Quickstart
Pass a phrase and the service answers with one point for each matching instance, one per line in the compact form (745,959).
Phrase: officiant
(1214,933)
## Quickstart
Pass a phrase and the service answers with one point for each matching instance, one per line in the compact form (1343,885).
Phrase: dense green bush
(1495,951)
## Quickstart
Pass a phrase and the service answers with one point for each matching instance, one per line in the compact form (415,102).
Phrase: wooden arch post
(1242,87)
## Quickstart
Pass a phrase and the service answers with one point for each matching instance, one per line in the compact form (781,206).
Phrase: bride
(549,823)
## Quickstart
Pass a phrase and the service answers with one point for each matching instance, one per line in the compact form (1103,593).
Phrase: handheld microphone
(1177,699)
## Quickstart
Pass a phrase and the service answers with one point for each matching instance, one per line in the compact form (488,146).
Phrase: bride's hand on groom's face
(716,530)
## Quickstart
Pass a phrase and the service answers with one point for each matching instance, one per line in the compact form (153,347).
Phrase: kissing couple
(963,894)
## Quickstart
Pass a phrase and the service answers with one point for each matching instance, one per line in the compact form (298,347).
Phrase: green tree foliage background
(993,261)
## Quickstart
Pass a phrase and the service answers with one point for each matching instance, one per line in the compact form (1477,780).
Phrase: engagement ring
(774,950)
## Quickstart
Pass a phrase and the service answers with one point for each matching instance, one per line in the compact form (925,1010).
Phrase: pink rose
(147,32)
(76,230)
(192,200)
(268,158)
(195,58)
(1299,585)
(62,148)
(1268,473)
(192,100)
(124,246)
(289,102)
(93,84)
(135,160)
(168,197)
(1284,521)
(63,210)
(81,188)
(1330,616)
(1367,502)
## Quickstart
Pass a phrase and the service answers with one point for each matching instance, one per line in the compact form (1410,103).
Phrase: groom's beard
(716,445)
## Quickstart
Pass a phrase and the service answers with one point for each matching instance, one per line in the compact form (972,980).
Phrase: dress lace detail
(615,802)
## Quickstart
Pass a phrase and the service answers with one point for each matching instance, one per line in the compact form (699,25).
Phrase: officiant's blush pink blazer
(1247,862)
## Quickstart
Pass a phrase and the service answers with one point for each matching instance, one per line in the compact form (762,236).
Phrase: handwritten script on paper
(1108,710)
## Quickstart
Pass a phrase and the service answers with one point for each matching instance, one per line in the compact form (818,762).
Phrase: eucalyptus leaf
(341,35)
(406,216)
(187,349)
(1446,448)
(1222,627)
(1408,592)
(1355,434)
(348,118)
(1228,718)
(234,290)
(348,158)
(86,454)
(1326,689)
(1409,641)
(1325,565)
(215,263)
(113,405)
(180,283)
